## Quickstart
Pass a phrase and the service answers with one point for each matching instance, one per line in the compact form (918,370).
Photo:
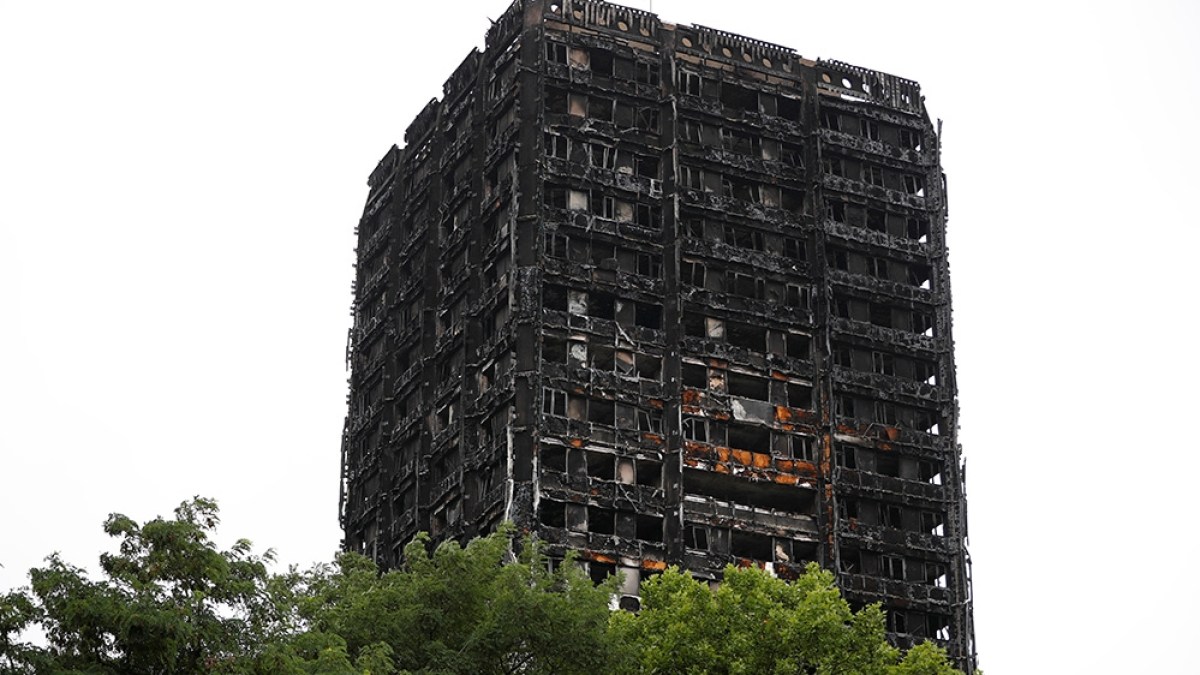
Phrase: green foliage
(169,601)
(473,609)
(756,623)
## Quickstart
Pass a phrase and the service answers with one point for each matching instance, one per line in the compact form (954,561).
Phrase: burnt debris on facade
(664,295)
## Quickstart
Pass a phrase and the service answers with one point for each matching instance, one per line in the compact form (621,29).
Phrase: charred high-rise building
(663,294)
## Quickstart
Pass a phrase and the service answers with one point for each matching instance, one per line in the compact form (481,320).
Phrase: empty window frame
(917,229)
(690,83)
(646,73)
(872,174)
(601,520)
(748,386)
(869,129)
(556,52)
(830,119)
(695,429)
(893,566)
(883,363)
(881,315)
(694,375)
(649,528)
(835,210)
(601,62)
(792,155)
(739,98)
(743,544)
(553,458)
(648,216)
(557,146)
(601,465)
(553,513)
(914,185)
(877,267)
(745,336)
(846,457)
(802,448)
(799,395)
(891,515)
(789,108)
(930,471)
(798,346)
(887,464)
(554,402)
(650,421)
(933,522)
(692,273)
(797,296)
(745,237)
(745,285)
(935,574)
(649,473)
(649,265)
(741,142)
(749,437)
(877,220)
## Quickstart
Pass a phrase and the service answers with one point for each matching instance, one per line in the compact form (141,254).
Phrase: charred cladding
(662,294)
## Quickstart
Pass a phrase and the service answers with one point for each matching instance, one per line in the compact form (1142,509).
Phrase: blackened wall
(664,295)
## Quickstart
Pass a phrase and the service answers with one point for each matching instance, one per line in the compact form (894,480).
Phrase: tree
(169,602)
(756,623)
(474,609)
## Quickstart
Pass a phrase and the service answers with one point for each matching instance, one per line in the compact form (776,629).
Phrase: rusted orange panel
(652,437)
(892,433)
(786,479)
(654,565)
(742,456)
(691,397)
(826,453)
(691,410)
(805,468)
(656,403)
(719,415)
(721,468)
(599,557)
(722,453)
(760,460)
(783,413)
(718,363)
(576,442)
(775,374)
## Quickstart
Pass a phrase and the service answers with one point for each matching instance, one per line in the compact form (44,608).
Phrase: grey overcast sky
(179,183)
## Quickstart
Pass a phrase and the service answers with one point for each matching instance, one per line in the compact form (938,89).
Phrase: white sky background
(179,186)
